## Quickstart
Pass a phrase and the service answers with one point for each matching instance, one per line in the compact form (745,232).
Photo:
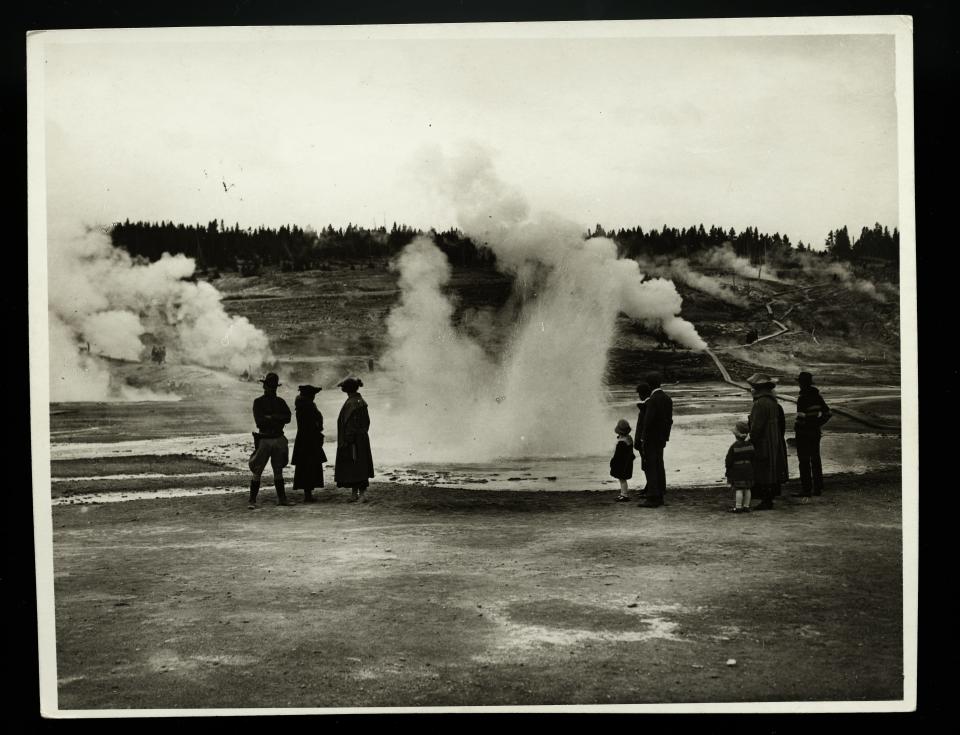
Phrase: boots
(354,496)
(308,496)
(254,489)
(281,493)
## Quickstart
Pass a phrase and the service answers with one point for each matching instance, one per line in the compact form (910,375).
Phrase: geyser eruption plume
(549,255)
(544,395)
(434,363)
(103,303)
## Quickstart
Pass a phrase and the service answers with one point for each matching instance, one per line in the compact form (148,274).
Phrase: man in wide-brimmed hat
(767,428)
(308,454)
(271,414)
(812,413)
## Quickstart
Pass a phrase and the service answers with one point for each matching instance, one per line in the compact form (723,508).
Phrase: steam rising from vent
(842,272)
(812,266)
(104,304)
(544,395)
(679,269)
(725,258)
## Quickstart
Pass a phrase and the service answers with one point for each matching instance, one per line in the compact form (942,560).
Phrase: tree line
(875,243)
(219,247)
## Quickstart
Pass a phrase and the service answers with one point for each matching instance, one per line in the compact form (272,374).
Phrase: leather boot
(308,496)
(281,493)
(254,489)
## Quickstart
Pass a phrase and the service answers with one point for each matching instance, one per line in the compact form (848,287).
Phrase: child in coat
(740,467)
(621,465)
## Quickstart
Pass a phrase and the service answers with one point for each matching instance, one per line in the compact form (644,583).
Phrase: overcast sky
(795,134)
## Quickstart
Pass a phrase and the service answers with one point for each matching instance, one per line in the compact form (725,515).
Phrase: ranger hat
(271,379)
(761,379)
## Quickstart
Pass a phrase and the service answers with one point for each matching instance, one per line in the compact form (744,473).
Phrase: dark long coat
(308,454)
(642,405)
(621,464)
(739,464)
(354,466)
(767,427)
(657,420)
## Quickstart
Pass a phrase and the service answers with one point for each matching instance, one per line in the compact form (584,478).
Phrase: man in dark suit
(643,393)
(812,413)
(654,435)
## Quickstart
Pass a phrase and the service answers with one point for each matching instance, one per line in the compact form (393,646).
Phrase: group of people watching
(354,460)
(756,462)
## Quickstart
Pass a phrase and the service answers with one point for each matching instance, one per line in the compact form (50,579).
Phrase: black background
(935,70)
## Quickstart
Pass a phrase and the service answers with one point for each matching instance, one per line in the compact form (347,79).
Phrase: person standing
(739,467)
(655,433)
(643,393)
(308,454)
(354,465)
(812,413)
(621,464)
(766,434)
(271,414)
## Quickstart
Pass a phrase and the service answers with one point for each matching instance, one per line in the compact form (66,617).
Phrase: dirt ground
(426,596)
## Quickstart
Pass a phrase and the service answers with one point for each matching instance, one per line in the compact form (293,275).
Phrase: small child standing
(621,465)
(740,467)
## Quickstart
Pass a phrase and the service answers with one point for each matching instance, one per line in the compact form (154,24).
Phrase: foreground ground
(443,597)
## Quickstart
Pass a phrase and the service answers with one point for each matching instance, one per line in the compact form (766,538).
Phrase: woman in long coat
(354,466)
(308,454)
(766,433)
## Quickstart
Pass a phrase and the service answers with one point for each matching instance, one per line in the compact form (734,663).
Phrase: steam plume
(679,269)
(725,258)
(103,304)
(846,276)
(544,395)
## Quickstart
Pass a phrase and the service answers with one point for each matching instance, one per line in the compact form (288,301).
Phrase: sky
(791,134)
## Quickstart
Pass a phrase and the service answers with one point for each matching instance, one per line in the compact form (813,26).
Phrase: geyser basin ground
(217,431)
(428,596)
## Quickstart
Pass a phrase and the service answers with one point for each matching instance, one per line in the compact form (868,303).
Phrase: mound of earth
(174,379)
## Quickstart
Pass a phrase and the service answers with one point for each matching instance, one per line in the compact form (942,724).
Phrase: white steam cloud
(103,304)
(811,266)
(544,394)
(724,258)
(679,269)
(843,273)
